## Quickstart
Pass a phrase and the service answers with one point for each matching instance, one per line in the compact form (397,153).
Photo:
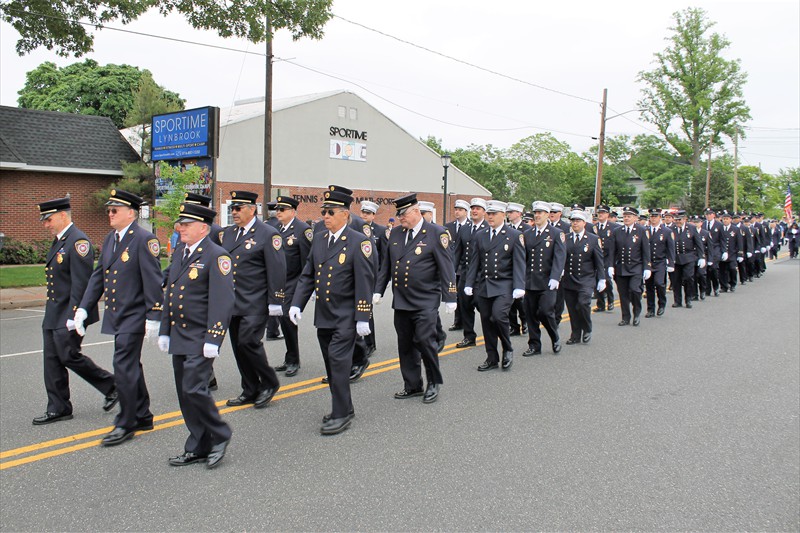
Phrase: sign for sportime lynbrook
(190,133)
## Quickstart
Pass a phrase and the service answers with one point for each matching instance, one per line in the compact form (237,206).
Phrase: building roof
(61,142)
(254,107)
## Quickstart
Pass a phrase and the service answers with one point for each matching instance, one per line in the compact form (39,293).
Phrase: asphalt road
(689,422)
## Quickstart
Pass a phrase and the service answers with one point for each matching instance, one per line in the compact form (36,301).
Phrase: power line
(467,63)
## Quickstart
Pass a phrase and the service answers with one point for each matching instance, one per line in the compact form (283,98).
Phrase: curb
(20,304)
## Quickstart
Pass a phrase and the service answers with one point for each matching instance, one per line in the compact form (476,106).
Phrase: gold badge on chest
(342,258)
(193,273)
(418,250)
(125,256)
(59,258)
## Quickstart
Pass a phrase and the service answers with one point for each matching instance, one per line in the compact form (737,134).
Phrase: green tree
(57,24)
(720,189)
(136,178)
(666,175)
(168,210)
(694,95)
(87,88)
(149,99)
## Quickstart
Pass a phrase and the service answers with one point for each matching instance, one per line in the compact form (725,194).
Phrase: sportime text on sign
(190,133)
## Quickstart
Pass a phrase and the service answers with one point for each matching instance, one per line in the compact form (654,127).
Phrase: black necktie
(494,234)
(116,241)
(240,233)
(283,228)
(575,238)
(331,240)
(472,231)
(409,237)
(186,254)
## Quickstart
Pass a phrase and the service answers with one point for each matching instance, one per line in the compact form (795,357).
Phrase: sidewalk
(23,297)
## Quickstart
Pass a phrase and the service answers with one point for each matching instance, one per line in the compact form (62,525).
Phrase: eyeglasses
(236,208)
(329,212)
(282,209)
(111,210)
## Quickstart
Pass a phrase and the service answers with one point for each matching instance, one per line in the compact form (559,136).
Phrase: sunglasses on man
(329,212)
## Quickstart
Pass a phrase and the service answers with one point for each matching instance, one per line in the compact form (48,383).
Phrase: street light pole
(446,165)
(598,182)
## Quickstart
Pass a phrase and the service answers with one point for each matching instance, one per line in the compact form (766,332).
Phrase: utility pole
(598,182)
(268,122)
(708,177)
(736,171)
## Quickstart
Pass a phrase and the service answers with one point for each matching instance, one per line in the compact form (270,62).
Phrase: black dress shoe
(111,400)
(440,345)
(572,341)
(281,368)
(733,289)
(186,458)
(325,380)
(660,311)
(557,346)
(514,333)
(524,330)
(431,393)
(403,394)
(486,365)
(49,418)
(143,425)
(216,454)
(649,314)
(530,352)
(240,400)
(508,360)
(587,337)
(117,436)
(292,370)
(264,397)
(599,309)
(676,305)
(370,350)
(689,304)
(212,385)
(274,338)
(330,415)
(357,371)
(454,328)
(335,426)
(610,306)
(464,343)
(624,323)
(702,296)
(636,320)
(695,298)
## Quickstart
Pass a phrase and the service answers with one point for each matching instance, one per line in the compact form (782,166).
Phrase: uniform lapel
(198,253)
(124,242)
(337,246)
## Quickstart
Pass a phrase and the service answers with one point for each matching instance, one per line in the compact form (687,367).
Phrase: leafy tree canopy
(91,89)
(59,24)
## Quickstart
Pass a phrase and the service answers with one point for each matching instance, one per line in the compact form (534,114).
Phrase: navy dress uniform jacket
(342,278)
(67,269)
(688,245)
(297,238)
(130,280)
(584,266)
(259,268)
(199,299)
(544,257)
(731,242)
(631,251)
(715,236)
(463,252)
(662,247)
(497,266)
(606,235)
(421,273)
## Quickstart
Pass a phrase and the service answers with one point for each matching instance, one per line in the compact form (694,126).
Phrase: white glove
(468,291)
(710,263)
(701,262)
(749,255)
(80,316)
(646,275)
(70,324)
(376,299)
(763,249)
(294,315)
(724,256)
(610,272)
(163,343)
(601,285)
(553,284)
(151,328)
(739,259)
(450,307)
(209,350)
(517,294)
(275,310)
(362,328)
(670,269)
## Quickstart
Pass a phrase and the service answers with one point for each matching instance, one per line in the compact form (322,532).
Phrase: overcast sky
(563,54)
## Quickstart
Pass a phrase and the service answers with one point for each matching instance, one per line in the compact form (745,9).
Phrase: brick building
(46,155)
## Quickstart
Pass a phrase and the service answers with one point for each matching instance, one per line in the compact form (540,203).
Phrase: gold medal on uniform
(418,250)
(505,247)
(289,241)
(342,258)
(193,273)
(59,258)
(125,256)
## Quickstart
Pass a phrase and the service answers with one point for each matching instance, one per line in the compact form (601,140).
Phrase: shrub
(15,252)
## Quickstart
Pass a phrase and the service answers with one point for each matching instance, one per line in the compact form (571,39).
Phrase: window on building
(353,113)
(342,111)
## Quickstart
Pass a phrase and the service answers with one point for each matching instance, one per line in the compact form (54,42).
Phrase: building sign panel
(190,133)
(348,150)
